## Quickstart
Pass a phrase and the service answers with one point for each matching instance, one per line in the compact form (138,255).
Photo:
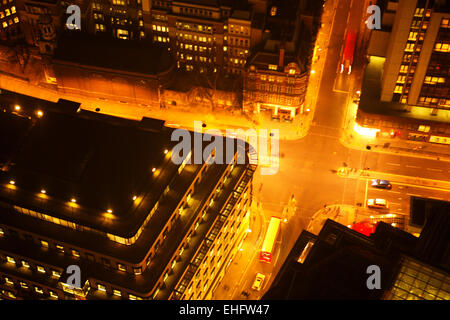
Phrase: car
(381,184)
(258,282)
(377,203)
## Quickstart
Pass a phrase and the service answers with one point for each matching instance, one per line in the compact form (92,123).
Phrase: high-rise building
(418,54)
(102,193)
(405,90)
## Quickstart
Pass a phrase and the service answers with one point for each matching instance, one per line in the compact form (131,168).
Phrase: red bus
(269,240)
(347,58)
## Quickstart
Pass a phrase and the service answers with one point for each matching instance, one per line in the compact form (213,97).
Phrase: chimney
(281,59)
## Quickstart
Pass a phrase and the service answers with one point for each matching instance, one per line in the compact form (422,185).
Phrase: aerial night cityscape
(224,150)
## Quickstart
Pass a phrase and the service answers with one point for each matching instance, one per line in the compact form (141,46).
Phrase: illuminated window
(23,285)
(7,12)
(401,79)
(75,253)
(404,68)
(423,128)
(225,48)
(101,287)
(10,259)
(121,267)
(53,294)
(56,274)
(8,281)
(409,47)
(273,11)
(13,9)
(2,233)
(5,24)
(412,36)
(38,290)
(137,271)
(273,67)
(25,264)
(154,27)
(40,269)
(60,248)
(117,293)
(445,23)
(44,244)
(398,89)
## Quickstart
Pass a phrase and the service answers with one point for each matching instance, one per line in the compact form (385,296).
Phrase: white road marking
(395,203)
(408,166)
(432,169)
(413,195)
(393,164)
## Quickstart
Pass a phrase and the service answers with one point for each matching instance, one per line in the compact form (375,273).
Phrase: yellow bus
(269,240)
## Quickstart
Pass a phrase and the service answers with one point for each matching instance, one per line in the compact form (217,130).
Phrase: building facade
(418,54)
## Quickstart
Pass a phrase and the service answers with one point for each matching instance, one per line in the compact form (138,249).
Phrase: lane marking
(408,166)
(432,169)
(393,164)
(395,203)
(436,198)
(414,195)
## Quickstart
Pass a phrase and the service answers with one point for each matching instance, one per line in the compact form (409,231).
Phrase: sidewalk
(348,215)
(393,178)
(343,214)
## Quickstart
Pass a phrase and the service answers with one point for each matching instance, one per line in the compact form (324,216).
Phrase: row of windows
(161,39)
(194,27)
(434,80)
(24,285)
(159,28)
(193,11)
(7,12)
(25,264)
(194,37)
(10,22)
(442,47)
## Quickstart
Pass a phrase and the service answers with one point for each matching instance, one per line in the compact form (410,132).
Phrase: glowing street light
(73,200)
(40,113)
(43,191)
(12,182)
(17,107)
(109,211)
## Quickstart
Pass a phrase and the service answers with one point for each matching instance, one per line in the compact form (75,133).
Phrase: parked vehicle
(257,285)
(377,203)
(381,184)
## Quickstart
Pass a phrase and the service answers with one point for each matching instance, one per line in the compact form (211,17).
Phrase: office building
(405,91)
(102,193)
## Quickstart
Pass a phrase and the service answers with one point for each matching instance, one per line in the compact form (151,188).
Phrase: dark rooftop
(126,55)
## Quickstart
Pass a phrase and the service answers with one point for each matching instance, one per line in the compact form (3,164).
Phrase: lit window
(23,285)
(16,20)
(2,233)
(13,9)
(75,253)
(154,27)
(117,293)
(53,294)
(56,274)
(10,259)
(44,244)
(273,67)
(8,281)
(38,290)
(40,269)
(101,287)
(25,264)
(60,248)
(424,128)
(121,267)
(7,12)
(5,24)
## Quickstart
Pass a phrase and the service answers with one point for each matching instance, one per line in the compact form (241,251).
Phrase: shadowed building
(405,90)
(102,193)
(333,264)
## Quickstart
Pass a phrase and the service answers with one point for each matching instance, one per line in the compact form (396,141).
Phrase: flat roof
(370,97)
(135,56)
(101,162)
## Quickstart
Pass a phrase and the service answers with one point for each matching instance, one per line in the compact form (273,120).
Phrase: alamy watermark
(263,147)
(73,22)
(374,21)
